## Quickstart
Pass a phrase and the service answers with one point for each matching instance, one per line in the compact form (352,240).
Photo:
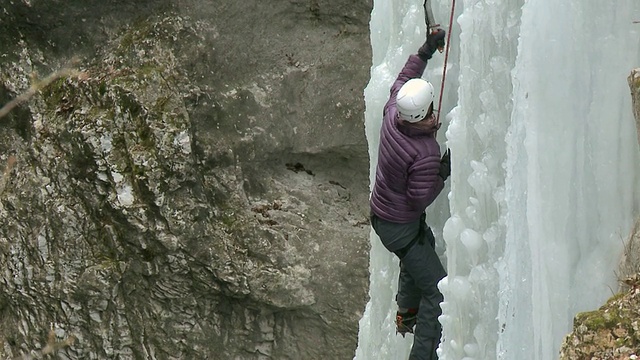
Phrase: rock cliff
(195,188)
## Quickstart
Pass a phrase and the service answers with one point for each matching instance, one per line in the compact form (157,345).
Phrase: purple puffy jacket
(407,179)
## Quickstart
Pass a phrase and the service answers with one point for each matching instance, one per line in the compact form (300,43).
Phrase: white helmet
(413,99)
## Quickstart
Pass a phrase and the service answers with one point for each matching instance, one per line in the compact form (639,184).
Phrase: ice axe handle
(430,21)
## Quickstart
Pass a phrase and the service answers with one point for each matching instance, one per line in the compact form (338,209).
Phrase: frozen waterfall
(546,175)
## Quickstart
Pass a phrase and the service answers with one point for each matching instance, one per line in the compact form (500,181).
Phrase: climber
(409,176)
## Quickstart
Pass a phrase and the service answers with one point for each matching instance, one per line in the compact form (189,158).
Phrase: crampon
(405,321)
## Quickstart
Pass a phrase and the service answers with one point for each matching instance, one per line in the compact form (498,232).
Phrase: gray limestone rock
(197,189)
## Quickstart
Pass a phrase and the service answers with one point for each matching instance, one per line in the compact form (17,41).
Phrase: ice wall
(546,175)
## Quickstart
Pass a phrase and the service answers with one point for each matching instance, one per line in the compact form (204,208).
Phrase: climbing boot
(406,320)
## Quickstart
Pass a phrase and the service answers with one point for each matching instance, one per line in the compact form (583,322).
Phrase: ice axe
(430,20)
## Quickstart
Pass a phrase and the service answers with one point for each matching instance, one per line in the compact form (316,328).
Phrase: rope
(446,57)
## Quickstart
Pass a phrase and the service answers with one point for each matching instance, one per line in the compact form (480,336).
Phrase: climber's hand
(445,165)
(435,40)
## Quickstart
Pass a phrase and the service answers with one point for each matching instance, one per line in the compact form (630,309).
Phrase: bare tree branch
(5,177)
(35,88)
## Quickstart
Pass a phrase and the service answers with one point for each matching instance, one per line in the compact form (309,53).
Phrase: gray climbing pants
(420,272)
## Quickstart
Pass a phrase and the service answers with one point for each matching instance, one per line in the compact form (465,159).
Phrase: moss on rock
(610,332)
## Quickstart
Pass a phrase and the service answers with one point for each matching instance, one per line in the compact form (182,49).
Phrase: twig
(53,345)
(35,88)
(11,161)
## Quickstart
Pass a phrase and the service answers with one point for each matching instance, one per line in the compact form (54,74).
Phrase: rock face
(613,331)
(610,332)
(634,84)
(197,189)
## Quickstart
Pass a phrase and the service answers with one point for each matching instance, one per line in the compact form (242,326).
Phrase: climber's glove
(434,41)
(445,165)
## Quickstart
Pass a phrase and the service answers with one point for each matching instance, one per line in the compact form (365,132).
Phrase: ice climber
(409,176)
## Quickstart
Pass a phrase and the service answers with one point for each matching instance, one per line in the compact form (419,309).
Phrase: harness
(402,252)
